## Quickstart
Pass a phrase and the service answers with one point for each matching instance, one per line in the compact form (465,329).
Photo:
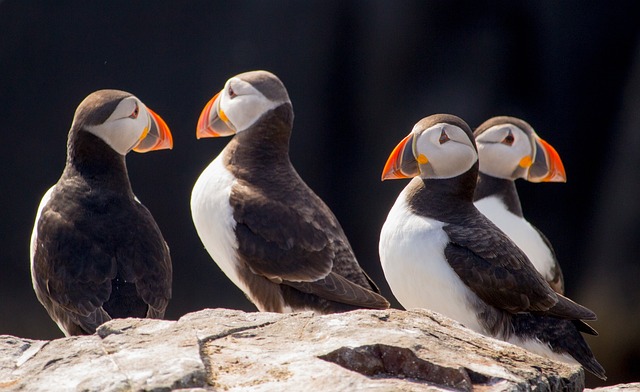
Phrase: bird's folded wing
(336,288)
(90,322)
(301,245)
(496,270)
(566,308)
(147,264)
(149,269)
(76,278)
(585,328)
(284,241)
(501,275)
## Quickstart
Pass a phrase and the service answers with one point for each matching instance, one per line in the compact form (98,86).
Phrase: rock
(220,349)
(632,387)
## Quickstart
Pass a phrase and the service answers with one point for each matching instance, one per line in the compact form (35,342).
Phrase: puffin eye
(135,112)
(232,94)
(443,137)
(509,139)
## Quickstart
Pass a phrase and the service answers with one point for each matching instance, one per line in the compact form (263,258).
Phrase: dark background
(359,74)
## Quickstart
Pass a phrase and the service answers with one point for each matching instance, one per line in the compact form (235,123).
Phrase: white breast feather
(540,348)
(412,256)
(213,218)
(521,232)
(34,232)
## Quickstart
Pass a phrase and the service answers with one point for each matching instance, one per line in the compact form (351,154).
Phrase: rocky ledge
(227,350)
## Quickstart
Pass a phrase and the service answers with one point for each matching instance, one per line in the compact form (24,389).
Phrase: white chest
(213,217)
(412,256)
(34,232)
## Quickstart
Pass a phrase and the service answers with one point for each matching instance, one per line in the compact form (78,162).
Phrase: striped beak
(156,136)
(547,165)
(213,122)
(402,162)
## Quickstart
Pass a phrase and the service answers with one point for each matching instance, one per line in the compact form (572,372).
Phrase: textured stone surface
(632,387)
(226,350)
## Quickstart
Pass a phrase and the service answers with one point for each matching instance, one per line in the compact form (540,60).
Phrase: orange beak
(212,121)
(401,163)
(157,137)
(547,165)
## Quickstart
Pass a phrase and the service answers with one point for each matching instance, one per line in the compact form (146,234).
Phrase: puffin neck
(266,142)
(502,188)
(442,199)
(91,158)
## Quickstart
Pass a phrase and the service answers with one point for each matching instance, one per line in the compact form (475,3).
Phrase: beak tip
(387,175)
(158,138)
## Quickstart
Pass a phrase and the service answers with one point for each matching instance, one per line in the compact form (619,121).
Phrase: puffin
(439,252)
(509,149)
(270,234)
(96,252)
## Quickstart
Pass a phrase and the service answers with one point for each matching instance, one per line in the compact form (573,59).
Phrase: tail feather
(562,337)
(568,309)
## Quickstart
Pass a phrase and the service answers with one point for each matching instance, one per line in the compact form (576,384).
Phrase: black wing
(300,244)
(500,274)
(89,268)
(144,260)
(72,274)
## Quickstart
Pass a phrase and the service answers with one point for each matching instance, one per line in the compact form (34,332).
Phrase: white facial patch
(246,105)
(448,149)
(121,130)
(499,159)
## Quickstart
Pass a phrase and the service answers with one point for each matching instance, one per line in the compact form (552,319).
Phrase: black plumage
(291,251)
(285,231)
(97,252)
(501,291)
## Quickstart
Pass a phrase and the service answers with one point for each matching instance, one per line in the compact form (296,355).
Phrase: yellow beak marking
(526,162)
(223,116)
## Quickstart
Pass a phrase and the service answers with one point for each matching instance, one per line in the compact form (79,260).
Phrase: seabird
(509,149)
(272,236)
(96,251)
(439,252)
